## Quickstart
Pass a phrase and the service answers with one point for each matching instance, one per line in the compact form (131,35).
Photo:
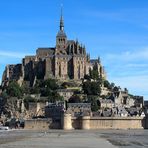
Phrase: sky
(115,30)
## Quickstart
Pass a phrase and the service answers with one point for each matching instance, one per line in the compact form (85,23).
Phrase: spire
(61,20)
(99,60)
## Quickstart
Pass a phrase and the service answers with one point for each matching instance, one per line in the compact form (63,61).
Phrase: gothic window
(79,72)
(60,70)
(75,51)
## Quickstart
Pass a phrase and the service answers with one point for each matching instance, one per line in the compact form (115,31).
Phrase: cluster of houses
(117,104)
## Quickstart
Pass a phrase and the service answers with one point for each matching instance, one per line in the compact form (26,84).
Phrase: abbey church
(67,60)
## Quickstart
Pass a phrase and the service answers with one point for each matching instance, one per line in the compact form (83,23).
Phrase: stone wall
(37,124)
(36,109)
(117,123)
(87,122)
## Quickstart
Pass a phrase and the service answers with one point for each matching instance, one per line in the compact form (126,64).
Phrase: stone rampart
(86,122)
(117,123)
(37,124)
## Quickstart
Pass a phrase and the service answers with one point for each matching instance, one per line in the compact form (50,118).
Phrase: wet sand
(74,139)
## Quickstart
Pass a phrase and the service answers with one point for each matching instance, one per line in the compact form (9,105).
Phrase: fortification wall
(117,123)
(37,124)
(86,122)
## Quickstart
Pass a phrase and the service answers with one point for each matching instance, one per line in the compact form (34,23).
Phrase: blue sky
(115,30)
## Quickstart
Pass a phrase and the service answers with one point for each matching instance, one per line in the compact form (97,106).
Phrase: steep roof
(93,61)
(45,50)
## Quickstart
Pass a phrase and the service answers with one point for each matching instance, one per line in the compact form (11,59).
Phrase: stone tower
(61,38)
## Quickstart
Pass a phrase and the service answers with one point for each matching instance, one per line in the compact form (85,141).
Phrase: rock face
(67,60)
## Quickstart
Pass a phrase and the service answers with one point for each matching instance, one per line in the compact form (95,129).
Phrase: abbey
(67,60)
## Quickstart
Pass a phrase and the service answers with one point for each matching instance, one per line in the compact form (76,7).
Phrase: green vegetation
(91,88)
(75,99)
(94,103)
(49,83)
(47,89)
(28,99)
(14,90)
(54,96)
(107,84)
(94,73)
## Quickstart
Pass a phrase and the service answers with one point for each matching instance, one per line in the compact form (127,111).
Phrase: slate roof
(49,50)
(61,34)
(93,61)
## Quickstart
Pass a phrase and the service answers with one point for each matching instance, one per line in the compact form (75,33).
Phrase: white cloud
(11,54)
(137,65)
(128,55)
(129,69)
(138,85)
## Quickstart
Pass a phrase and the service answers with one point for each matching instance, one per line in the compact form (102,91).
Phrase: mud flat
(74,139)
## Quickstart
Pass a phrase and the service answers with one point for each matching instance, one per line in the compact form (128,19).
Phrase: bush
(91,88)
(14,90)
(28,99)
(75,99)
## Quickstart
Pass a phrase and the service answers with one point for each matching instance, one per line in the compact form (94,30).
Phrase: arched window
(60,70)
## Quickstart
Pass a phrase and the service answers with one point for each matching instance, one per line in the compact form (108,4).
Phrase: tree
(107,84)
(75,99)
(50,83)
(14,90)
(54,96)
(46,91)
(112,85)
(48,86)
(91,88)
(35,90)
(95,104)
(87,77)
(94,72)
(25,88)
(116,89)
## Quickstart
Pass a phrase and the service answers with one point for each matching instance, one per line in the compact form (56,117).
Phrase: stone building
(66,93)
(54,110)
(106,103)
(36,109)
(12,72)
(79,109)
(67,60)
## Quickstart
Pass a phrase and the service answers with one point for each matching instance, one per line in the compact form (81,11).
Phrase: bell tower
(61,38)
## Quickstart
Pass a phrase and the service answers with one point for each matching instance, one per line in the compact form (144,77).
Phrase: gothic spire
(61,20)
